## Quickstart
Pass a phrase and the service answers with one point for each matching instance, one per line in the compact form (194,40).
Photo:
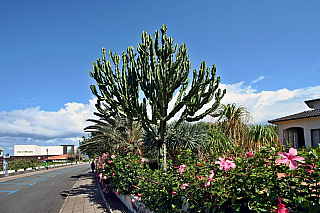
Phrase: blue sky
(266,52)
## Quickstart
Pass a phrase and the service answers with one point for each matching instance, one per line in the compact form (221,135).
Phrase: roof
(310,103)
(1,149)
(59,157)
(301,115)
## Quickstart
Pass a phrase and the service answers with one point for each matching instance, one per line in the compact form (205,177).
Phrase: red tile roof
(301,115)
(59,157)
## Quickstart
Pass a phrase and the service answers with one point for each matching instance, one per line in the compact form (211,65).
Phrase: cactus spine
(157,73)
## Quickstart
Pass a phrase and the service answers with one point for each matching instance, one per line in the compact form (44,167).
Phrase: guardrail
(19,171)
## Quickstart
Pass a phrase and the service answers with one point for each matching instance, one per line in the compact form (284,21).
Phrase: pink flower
(142,160)
(250,154)
(173,192)
(109,161)
(291,158)
(132,200)
(117,191)
(225,164)
(281,207)
(128,165)
(118,147)
(209,179)
(113,156)
(105,177)
(112,174)
(133,161)
(184,185)
(100,176)
(312,167)
(181,168)
(104,190)
(139,195)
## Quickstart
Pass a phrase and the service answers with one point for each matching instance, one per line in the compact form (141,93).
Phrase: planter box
(136,207)
(139,207)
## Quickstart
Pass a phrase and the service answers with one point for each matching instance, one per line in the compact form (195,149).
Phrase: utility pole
(79,153)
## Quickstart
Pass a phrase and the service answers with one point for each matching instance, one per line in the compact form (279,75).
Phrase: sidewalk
(86,197)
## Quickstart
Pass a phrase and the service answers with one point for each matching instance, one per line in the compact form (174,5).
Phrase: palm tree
(223,144)
(187,136)
(110,131)
(234,120)
(262,135)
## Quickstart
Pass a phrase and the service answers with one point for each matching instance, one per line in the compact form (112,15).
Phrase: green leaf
(315,209)
(236,206)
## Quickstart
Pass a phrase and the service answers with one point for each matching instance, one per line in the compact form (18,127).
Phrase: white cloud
(37,124)
(266,105)
(258,79)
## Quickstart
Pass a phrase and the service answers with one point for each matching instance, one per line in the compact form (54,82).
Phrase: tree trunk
(163,143)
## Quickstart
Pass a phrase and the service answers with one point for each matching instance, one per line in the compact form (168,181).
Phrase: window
(315,137)
(24,152)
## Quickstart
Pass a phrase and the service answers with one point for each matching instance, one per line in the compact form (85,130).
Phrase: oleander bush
(24,164)
(269,180)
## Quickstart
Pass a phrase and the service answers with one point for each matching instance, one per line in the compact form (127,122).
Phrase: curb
(102,194)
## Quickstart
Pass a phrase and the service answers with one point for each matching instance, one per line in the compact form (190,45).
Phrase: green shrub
(242,182)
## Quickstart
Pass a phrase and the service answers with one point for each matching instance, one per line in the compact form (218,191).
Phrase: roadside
(33,172)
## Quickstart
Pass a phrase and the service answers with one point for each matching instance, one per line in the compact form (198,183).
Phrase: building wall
(52,150)
(307,124)
(25,150)
(29,150)
(317,105)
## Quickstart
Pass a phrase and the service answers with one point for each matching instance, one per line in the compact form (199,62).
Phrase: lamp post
(47,159)
(79,153)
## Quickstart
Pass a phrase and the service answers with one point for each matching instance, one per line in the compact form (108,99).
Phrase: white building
(30,150)
(301,129)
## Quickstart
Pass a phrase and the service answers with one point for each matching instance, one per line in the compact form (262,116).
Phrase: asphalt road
(39,193)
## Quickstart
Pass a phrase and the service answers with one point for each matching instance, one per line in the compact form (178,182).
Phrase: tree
(107,132)
(158,71)
(262,135)
(234,120)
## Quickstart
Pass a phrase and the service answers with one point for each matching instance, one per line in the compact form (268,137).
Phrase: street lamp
(47,159)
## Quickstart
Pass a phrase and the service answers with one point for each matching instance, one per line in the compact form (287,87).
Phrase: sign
(6,155)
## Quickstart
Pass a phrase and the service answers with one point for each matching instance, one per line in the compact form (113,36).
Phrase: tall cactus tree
(158,71)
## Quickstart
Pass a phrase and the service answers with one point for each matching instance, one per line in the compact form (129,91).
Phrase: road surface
(39,193)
